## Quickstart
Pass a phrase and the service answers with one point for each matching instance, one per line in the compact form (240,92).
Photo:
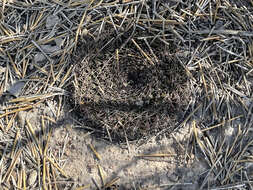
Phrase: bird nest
(126,95)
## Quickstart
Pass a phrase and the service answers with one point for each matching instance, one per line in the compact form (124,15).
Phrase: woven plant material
(125,94)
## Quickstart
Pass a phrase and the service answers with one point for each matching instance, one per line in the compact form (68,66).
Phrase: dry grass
(133,66)
(34,70)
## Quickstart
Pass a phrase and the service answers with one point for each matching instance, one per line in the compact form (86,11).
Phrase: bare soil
(127,162)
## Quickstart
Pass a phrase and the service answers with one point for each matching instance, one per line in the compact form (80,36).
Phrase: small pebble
(52,20)
(139,103)
(16,88)
(32,178)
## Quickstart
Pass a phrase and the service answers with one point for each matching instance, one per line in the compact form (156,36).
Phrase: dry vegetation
(131,69)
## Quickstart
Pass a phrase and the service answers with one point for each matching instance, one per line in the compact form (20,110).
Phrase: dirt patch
(127,164)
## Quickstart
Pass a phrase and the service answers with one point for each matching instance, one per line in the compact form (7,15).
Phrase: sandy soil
(124,162)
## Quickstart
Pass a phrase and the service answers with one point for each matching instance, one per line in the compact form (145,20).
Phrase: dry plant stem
(110,183)
(95,152)
(56,166)
(156,155)
(54,178)
(7,176)
(148,58)
(101,173)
